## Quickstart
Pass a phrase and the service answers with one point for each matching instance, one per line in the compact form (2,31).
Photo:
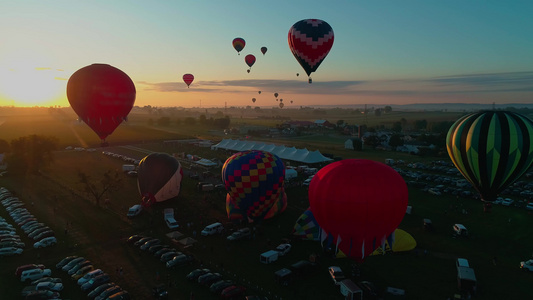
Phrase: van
(34,274)
(460,230)
(212,229)
(350,290)
(134,210)
(269,257)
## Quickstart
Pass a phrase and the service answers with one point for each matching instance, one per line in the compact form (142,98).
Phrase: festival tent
(283,152)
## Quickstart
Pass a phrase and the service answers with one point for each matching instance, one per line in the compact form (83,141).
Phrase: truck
(168,216)
(466,279)
(269,256)
(350,290)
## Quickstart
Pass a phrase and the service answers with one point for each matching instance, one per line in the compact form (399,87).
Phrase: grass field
(99,232)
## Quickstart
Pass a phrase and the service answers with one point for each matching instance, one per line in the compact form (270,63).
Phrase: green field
(99,232)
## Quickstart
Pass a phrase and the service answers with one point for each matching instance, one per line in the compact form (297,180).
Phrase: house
(324,123)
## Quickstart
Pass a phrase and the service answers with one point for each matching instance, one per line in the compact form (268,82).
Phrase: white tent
(288,153)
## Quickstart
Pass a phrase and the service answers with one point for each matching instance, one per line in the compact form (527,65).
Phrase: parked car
(108,292)
(462,262)
(34,274)
(529,206)
(100,279)
(81,272)
(72,263)
(240,234)
(336,274)
(65,261)
(52,286)
(23,268)
(283,249)
(150,243)
(233,292)
(78,266)
(179,260)
(122,295)
(43,294)
(44,234)
(209,278)
(90,275)
(527,265)
(220,285)
(507,202)
(168,256)
(46,242)
(134,238)
(194,274)
(99,289)
(143,240)
(47,279)
(9,251)
(162,251)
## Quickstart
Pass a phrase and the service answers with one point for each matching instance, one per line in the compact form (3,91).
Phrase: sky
(384,52)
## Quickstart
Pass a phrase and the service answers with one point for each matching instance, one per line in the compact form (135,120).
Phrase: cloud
(507,82)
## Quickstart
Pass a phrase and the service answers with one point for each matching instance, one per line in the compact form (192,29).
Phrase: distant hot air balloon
(188,79)
(291,101)
(297,74)
(492,149)
(102,96)
(359,203)
(264,50)
(310,41)
(253,100)
(259,92)
(276,95)
(158,178)
(281,105)
(254,180)
(238,44)
(250,61)
(280,100)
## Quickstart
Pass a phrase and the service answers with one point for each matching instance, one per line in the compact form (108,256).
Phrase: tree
(397,126)
(372,140)
(395,141)
(421,124)
(4,146)
(202,119)
(31,153)
(189,121)
(109,183)
(387,109)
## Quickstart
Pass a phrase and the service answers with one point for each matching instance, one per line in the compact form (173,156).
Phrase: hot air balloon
(306,227)
(102,96)
(281,105)
(359,203)
(259,92)
(253,100)
(158,178)
(297,74)
(491,149)
(254,180)
(264,50)
(280,100)
(250,61)
(238,44)
(291,101)
(188,79)
(276,95)
(235,214)
(310,41)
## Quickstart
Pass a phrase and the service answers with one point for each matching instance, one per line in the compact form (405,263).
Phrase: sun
(25,84)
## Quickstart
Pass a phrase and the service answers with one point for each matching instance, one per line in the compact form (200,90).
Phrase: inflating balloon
(158,178)
(254,180)
(492,149)
(359,203)
(310,41)
(235,214)
(102,96)
(188,79)
(250,61)
(306,227)
(238,44)
(263,50)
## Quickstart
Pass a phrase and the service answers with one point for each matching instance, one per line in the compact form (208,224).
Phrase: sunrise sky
(385,52)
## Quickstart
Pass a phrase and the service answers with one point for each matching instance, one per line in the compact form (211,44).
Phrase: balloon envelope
(188,79)
(102,96)
(264,50)
(250,60)
(306,227)
(281,105)
(158,178)
(235,214)
(253,100)
(238,44)
(276,95)
(359,202)
(491,149)
(310,41)
(254,180)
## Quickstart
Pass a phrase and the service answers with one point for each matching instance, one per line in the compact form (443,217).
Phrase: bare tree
(111,181)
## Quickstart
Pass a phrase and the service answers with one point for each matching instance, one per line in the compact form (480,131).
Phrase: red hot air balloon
(264,50)
(359,202)
(238,44)
(253,100)
(102,96)
(188,79)
(250,61)
(310,41)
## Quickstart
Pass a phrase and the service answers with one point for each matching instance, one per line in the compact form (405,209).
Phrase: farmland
(98,232)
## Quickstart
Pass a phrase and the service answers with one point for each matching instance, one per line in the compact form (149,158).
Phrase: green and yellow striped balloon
(492,149)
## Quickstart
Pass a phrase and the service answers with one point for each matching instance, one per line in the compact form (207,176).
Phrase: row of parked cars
(40,284)
(10,242)
(168,255)
(95,282)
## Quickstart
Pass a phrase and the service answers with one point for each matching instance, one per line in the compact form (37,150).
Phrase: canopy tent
(283,152)
(206,163)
